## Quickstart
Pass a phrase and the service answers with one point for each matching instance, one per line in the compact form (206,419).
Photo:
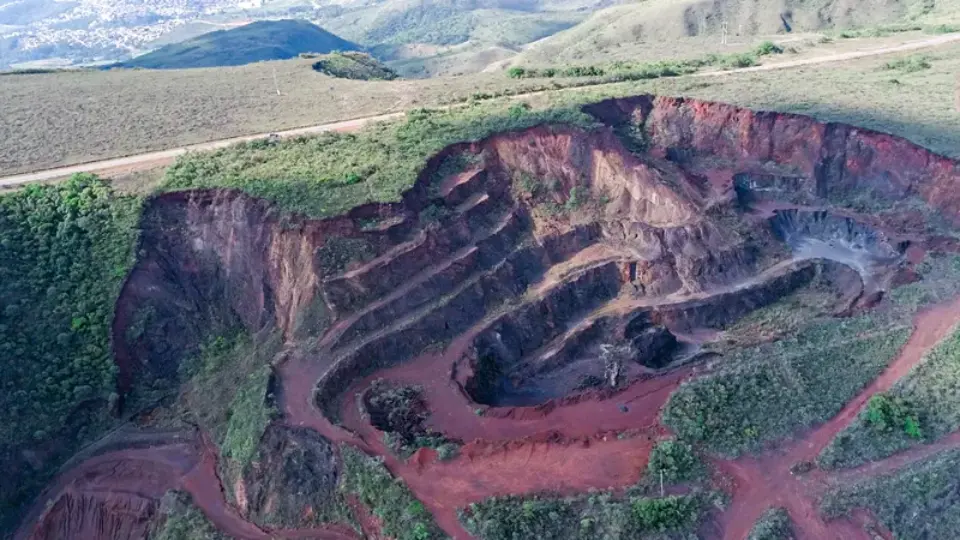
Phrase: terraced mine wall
(599,227)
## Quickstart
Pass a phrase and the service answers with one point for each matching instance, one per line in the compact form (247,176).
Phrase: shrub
(768,391)
(517,72)
(773,524)
(675,460)
(306,174)
(580,518)
(885,413)
(909,64)
(665,514)
(402,515)
(767,48)
(917,502)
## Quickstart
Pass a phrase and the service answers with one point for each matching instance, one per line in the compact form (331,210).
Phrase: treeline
(626,71)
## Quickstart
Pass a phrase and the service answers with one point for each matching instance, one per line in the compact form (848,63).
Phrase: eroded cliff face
(544,235)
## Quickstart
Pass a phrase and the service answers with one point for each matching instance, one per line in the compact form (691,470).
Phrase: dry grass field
(48,120)
(65,118)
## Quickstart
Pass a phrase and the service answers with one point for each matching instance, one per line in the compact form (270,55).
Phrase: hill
(353,65)
(649,25)
(255,42)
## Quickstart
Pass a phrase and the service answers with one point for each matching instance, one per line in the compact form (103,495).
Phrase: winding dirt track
(151,160)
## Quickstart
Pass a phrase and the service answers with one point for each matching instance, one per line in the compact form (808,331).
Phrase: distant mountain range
(255,42)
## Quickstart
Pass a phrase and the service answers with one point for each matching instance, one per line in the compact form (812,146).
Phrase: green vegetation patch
(774,524)
(65,250)
(226,392)
(767,392)
(402,515)
(632,71)
(909,64)
(182,520)
(353,65)
(922,407)
(327,175)
(597,515)
(918,502)
(674,461)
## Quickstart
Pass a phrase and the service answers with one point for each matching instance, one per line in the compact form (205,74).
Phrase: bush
(402,515)
(923,406)
(517,72)
(675,460)
(885,414)
(909,64)
(308,175)
(774,524)
(580,518)
(353,65)
(921,501)
(767,48)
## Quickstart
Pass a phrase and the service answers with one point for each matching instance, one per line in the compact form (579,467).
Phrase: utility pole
(723,33)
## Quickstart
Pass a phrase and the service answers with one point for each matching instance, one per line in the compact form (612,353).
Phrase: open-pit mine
(517,324)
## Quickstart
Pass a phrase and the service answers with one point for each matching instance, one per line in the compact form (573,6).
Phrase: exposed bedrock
(539,250)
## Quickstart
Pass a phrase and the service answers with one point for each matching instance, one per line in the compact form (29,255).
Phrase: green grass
(919,502)
(353,65)
(922,407)
(327,175)
(403,517)
(768,392)
(927,396)
(598,515)
(909,64)
(184,521)
(65,249)
(774,524)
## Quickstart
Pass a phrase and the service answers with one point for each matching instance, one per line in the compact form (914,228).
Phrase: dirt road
(151,160)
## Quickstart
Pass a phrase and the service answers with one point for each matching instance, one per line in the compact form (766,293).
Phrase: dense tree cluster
(64,252)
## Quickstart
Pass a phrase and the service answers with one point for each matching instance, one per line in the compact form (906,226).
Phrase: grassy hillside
(255,42)
(661,21)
